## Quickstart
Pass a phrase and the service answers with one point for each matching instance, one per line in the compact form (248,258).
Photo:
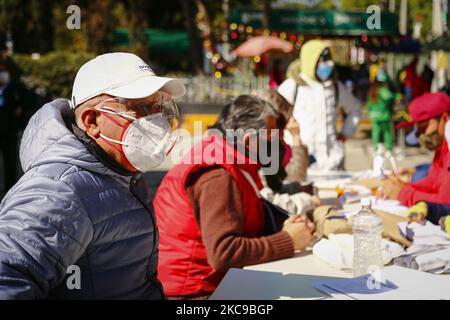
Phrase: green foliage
(40,25)
(417,10)
(98,22)
(359,4)
(52,75)
(29,22)
(423,11)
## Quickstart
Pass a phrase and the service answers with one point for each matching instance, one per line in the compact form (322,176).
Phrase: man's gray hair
(245,113)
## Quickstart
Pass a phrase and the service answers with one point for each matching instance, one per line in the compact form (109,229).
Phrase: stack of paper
(430,250)
(391,206)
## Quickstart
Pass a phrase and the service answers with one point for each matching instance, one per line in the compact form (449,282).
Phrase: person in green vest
(380,105)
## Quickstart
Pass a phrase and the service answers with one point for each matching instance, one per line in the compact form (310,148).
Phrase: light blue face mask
(381,76)
(324,70)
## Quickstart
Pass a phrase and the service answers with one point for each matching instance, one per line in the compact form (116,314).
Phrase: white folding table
(283,279)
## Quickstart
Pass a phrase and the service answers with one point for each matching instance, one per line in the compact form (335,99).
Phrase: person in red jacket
(209,211)
(415,85)
(430,114)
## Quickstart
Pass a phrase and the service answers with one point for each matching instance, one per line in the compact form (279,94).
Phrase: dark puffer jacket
(70,208)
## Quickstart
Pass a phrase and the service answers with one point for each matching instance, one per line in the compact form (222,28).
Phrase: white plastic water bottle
(378,165)
(367,228)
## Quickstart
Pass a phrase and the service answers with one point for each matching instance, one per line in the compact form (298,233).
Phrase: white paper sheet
(397,284)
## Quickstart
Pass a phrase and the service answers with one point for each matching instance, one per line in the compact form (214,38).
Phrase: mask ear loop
(118,145)
(112,142)
(108,112)
(111,111)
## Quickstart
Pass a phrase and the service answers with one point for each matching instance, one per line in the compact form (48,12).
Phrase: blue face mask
(324,70)
(381,76)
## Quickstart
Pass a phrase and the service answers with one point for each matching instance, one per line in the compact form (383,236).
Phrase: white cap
(123,75)
(366,201)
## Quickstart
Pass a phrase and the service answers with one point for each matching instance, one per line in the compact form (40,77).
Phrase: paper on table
(391,206)
(430,250)
(397,284)
(337,250)
(428,234)
(436,262)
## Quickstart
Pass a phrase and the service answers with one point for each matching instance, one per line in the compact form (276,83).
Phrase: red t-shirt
(433,188)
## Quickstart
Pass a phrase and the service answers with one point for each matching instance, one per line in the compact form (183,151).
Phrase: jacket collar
(232,155)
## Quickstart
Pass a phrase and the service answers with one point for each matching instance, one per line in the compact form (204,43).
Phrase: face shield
(162,110)
(149,128)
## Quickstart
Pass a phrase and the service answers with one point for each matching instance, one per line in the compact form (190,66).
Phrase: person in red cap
(430,114)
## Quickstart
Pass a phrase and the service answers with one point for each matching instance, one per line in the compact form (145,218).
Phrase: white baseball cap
(123,75)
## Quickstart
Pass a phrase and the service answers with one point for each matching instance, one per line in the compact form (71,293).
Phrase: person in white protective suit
(317,95)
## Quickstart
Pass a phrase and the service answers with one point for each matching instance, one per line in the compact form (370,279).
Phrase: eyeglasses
(131,110)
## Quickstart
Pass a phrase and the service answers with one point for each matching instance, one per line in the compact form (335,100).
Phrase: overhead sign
(158,40)
(318,22)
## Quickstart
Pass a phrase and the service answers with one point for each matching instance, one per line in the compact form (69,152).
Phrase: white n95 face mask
(146,141)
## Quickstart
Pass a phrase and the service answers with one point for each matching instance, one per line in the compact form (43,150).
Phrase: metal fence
(211,90)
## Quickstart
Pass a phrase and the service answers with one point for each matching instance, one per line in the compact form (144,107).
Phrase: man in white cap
(79,224)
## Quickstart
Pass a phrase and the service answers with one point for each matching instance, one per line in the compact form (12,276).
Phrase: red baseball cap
(427,106)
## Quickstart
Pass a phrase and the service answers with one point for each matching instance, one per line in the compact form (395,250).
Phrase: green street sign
(319,22)
(158,40)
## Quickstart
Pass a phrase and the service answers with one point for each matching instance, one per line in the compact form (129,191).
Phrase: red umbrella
(257,46)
